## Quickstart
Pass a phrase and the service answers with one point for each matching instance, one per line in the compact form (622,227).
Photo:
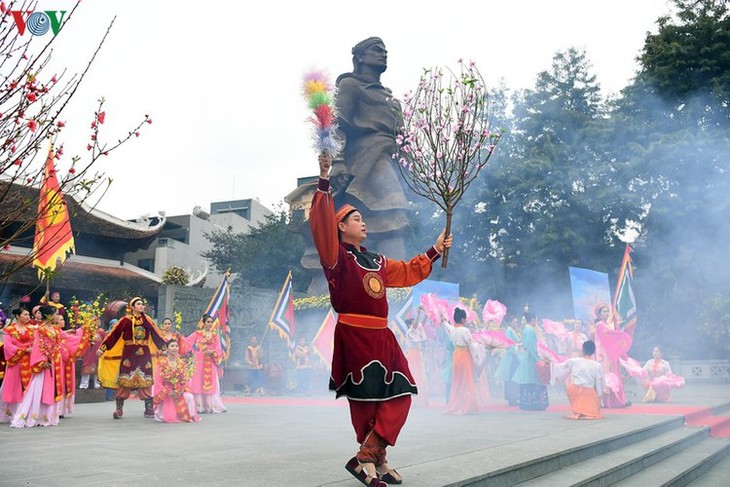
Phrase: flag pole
(613,317)
(226,355)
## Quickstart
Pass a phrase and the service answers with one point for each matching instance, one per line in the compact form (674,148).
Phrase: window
(146,264)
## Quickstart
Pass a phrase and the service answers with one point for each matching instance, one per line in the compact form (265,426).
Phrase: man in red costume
(368,365)
(133,335)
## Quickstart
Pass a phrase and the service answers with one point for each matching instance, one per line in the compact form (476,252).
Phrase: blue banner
(588,288)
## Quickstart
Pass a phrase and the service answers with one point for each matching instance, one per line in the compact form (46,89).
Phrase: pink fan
(556,328)
(494,311)
(612,382)
(434,307)
(667,382)
(493,339)
(633,367)
(546,353)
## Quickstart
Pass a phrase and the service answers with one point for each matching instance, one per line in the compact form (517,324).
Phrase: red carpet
(719,425)
(694,415)
(285,401)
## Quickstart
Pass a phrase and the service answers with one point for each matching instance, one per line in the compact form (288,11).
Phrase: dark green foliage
(671,129)
(575,175)
(264,256)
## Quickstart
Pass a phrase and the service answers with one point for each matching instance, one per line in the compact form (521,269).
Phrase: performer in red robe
(131,338)
(368,365)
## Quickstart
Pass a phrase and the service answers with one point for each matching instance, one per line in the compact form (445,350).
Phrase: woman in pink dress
(208,354)
(35,315)
(43,401)
(174,403)
(660,381)
(167,334)
(611,346)
(18,343)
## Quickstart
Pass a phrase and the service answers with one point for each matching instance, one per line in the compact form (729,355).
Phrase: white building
(182,240)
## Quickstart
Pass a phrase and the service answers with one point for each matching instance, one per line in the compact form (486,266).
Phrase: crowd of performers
(525,356)
(378,378)
(176,376)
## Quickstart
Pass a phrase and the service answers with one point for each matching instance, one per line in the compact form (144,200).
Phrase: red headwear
(344,212)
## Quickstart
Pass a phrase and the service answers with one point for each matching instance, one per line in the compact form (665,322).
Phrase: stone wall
(189,301)
(250,309)
(701,369)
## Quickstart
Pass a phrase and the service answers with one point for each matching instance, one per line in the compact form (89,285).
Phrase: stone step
(509,464)
(610,466)
(717,476)
(717,418)
(684,467)
(722,409)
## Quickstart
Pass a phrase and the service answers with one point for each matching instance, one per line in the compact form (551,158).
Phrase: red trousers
(123,393)
(386,418)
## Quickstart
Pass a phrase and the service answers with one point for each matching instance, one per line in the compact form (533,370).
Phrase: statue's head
(370,52)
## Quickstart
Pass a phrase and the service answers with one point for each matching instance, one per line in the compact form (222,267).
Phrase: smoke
(648,169)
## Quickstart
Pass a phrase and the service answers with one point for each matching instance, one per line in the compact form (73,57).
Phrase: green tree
(264,256)
(689,56)
(670,134)
(552,199)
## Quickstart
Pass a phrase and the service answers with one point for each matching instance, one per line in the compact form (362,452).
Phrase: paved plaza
(289,440)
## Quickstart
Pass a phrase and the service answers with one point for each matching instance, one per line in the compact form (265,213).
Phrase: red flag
(324,340)
(53,235)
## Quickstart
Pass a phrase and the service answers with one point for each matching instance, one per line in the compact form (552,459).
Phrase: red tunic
(367,363)
(135,370)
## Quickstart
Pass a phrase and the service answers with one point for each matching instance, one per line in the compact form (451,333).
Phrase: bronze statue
(368,117)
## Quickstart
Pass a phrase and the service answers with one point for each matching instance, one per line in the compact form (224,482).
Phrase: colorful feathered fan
(319,93)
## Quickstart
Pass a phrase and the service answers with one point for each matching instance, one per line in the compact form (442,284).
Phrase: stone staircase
(719,424)
(717,419)
(667,453)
